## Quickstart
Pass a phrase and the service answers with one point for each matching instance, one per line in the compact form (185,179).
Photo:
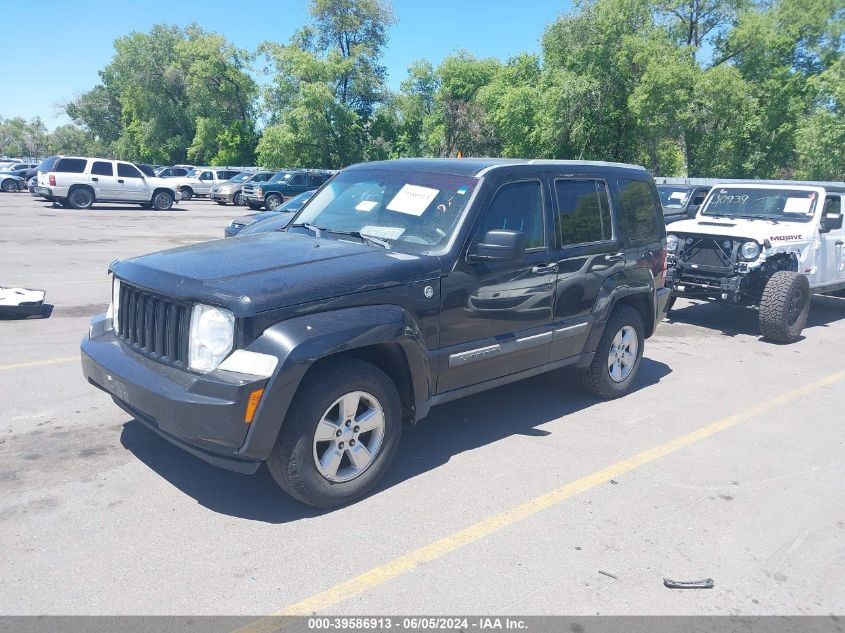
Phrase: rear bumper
(203,414)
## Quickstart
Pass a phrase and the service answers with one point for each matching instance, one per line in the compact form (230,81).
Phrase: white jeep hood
(759,230)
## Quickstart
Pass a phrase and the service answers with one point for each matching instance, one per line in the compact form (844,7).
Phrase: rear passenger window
(71,165)
(297,180)
(518,206)
(102,168)
(583,211)
(639,217)
(125,170)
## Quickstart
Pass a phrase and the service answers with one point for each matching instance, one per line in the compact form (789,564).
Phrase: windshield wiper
(361,236)
(316,230)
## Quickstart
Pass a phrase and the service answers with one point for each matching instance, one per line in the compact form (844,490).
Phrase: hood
(249,218)
(759,230)
(175,181)
(155,181)
(262,272)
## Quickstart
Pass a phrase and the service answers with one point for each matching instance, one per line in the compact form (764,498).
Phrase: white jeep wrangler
(764,244)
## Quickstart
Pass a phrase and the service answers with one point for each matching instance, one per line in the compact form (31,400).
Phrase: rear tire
(294,460)
(9,186)
(784,307)
(617,361)
(186,192)
(80,198)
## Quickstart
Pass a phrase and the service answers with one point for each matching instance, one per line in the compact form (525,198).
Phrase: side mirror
(692,210)
(500,245)
(831,221)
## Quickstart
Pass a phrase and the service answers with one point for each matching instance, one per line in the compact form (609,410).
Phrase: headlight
(113,312)
(750,250)
(227,189)
(211,337)
(259,191)
(671,243)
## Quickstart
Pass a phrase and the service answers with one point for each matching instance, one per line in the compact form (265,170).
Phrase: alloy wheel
(349,436)
(623,354)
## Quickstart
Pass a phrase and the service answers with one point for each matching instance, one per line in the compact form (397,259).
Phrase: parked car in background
(399,286)
(10,183)
(16,166)
(20,173)
(231,191)
(278,218)
(282,186)
(79,182)
(681,202)
(763,244)
(200,180)
(172,172)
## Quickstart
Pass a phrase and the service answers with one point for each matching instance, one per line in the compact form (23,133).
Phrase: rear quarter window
(71,165)
(639,212)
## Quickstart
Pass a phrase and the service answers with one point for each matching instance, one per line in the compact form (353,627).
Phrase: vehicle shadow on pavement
(112,207)
(733,320)
(450,429)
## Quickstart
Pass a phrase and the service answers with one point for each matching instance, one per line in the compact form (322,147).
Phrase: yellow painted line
(40,363)
(405,563)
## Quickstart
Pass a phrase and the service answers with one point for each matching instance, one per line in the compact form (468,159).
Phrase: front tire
(272,202)
(617,361)
(80,198)
(186,192)
(162,200)
(339,435)
(238,200)
(785,307)
(253,206)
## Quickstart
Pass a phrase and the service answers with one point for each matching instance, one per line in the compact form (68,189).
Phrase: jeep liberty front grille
(153,325)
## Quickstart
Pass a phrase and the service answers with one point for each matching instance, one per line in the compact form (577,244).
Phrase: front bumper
(202,414)
(694,283)
(46,192)
(223,197)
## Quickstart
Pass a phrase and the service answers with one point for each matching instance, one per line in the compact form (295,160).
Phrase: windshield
(192,173)
(280,176)
(792,205)
(674,197)
(241,177)
(412,211)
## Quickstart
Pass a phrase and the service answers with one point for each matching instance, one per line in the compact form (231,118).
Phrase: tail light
(52,181)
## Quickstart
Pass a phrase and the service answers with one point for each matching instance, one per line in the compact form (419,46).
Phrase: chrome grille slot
(153,325)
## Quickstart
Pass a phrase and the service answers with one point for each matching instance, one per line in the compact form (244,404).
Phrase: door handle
(839,242)
(542,269)
(616,257)
(120,180)
(96,179)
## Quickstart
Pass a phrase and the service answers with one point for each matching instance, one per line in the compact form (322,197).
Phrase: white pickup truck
(200,180)
(763,244)
(79,182)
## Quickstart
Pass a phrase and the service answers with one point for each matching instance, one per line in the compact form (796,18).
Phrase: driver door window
(518,206)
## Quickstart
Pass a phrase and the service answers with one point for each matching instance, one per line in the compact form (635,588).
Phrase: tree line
(710,88)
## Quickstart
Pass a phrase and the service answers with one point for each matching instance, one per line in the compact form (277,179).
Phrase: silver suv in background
(79,182)
(200,180)
(231,191)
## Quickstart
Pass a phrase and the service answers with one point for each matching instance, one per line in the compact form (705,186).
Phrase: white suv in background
(200,180)
(80,182)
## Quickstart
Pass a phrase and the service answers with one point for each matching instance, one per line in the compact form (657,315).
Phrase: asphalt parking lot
(724,463)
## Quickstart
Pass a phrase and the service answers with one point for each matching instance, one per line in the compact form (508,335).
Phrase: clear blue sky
(66,43)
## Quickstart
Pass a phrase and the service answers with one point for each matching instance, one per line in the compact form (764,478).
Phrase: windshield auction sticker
(412,199)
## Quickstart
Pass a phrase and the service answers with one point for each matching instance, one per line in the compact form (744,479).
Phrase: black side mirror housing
(500,245)
(830,221)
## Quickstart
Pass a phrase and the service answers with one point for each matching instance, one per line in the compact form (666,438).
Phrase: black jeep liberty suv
(400,285)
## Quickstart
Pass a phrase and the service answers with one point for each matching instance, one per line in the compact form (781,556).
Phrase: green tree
(22,138)
(327,83)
